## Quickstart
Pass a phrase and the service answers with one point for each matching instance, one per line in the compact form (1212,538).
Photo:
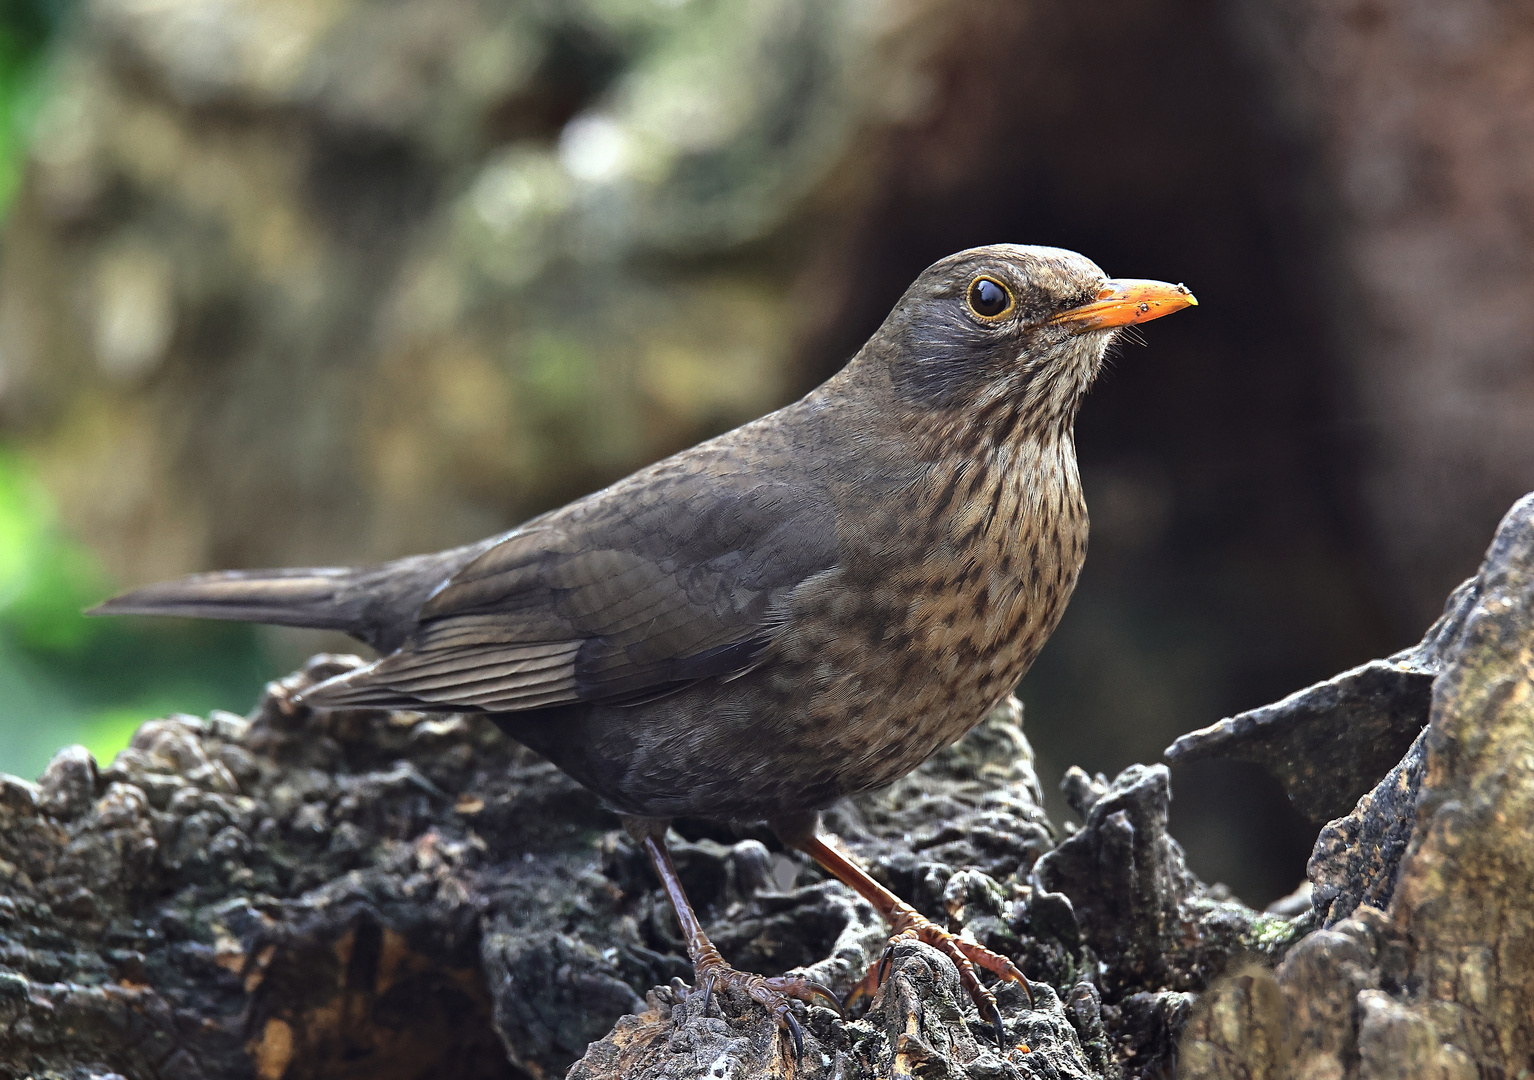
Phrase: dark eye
(989,299)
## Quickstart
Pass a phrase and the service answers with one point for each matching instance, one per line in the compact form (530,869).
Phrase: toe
(775,995)
(966,957)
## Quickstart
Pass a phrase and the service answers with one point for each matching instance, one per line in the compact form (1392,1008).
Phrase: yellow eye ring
(989,299)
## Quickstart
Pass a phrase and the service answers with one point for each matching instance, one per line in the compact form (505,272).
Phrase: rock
(1426,964)
(1330,743)
(1464,897)
(1356,857)
(68,785)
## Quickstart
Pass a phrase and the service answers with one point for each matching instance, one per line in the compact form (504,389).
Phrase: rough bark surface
(378,894)
(1329,743)
(392,895)
(1425,963)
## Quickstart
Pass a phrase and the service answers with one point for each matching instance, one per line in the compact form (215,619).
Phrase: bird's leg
(905,921)
(709,968)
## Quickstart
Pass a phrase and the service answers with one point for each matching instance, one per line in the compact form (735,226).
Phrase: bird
(801,609)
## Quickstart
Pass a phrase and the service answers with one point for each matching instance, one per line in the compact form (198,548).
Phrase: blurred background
(316,281)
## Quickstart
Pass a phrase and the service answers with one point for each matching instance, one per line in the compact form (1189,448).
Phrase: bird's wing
(669,577)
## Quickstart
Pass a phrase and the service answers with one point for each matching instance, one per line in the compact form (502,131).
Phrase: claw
(1001,1032)
(884,963)
(708,994)
(830,995)
(797,1033)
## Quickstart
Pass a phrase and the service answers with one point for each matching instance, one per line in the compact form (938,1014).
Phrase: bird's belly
(877,710)
(844,710)
(741,752)
(881,675)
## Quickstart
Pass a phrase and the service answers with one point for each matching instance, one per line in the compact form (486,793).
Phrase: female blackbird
(803,608)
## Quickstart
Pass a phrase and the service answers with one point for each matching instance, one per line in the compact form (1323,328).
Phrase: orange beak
(1123,301)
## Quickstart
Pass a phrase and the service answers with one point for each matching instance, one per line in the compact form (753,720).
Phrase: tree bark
(392,895)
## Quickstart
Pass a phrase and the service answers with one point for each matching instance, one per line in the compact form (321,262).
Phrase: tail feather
(376,604)
(308,597)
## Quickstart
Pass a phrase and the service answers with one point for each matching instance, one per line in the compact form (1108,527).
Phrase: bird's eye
(989,298)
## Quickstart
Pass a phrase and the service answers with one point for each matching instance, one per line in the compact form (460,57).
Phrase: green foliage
(25,29)
(65,678)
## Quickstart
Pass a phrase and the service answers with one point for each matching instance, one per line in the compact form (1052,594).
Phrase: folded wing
(666,578)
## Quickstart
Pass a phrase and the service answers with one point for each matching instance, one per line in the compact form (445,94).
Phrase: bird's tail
(316,597)
(376,604)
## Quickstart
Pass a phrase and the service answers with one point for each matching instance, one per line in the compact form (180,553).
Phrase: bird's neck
(997,432)
(1002,431)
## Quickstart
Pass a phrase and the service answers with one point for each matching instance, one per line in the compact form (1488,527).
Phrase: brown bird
(801,609)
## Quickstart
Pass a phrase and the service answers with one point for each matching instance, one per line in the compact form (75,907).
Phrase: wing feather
(478,666)
(673,575)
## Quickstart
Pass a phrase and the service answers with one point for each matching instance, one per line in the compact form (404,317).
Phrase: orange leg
(709,968)
(908,923)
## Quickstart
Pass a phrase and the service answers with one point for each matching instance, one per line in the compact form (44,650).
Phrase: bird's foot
(773,993)
(908,924)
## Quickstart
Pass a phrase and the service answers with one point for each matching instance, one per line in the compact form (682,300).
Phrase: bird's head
(1025,326)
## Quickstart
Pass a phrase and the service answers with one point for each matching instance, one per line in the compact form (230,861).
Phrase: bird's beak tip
(1125,301)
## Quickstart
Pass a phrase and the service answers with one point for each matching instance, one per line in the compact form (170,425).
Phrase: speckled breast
(892,659)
